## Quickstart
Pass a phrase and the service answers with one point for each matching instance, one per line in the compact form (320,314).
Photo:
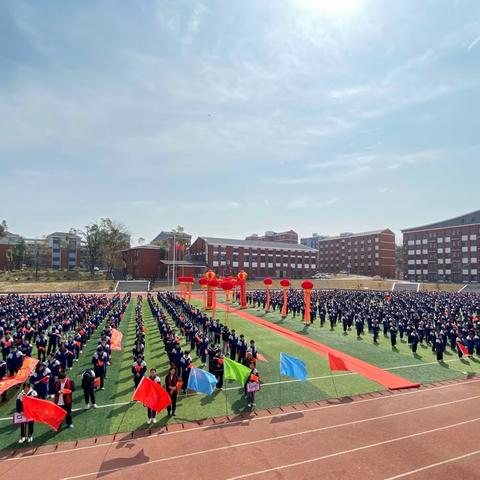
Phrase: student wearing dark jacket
(88,387)
(14,361)
(139,368)
(26,432)
(171,381)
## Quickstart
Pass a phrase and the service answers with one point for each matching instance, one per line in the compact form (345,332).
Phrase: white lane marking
(323,377)
(239,422)
(346,452)
(433,465)
(281,437)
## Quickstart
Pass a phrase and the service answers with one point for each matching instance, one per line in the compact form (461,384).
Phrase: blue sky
(233,117)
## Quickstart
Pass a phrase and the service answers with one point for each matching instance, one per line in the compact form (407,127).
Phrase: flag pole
(334,385)
(280,387)
(226,400)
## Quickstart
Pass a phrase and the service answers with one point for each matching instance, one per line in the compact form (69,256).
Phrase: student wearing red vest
(63,390)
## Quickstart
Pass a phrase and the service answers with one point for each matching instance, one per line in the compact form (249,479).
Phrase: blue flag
(292,367)
(200,381)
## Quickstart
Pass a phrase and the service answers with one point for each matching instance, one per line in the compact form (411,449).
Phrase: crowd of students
(59,326)
(441,320)
(211,340)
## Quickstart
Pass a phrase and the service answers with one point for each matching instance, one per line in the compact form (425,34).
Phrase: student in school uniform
(41,344)
(171,381)
(14,361)
(185,367)
(63,389)
(88,387)
(26,429)
(152,414)
(139,368)
(99,362)
(40,380)
(241,348)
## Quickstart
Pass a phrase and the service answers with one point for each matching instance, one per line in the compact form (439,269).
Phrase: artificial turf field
(119,414)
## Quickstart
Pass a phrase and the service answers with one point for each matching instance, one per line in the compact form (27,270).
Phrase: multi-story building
(313,241)
(65,250)
(289,236)
(259,258)
(38,253)
(368,253)
(149,262)
(445,251)
(8,242)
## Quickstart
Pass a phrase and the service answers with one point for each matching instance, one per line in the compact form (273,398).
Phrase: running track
(414,434)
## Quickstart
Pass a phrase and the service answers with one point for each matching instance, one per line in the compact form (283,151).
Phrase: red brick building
(289,236)
(258,258)
(149,262)
(445,251)
(143,262)
(369,253)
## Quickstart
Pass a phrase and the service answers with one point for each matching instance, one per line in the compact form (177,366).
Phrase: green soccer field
(118,414)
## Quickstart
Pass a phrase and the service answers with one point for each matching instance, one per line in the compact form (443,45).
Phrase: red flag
(152,395)
(462,348)
(116,340)
(43,411)
(336,363)
(180,247)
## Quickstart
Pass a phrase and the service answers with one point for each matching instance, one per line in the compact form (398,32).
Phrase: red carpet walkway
(387,379)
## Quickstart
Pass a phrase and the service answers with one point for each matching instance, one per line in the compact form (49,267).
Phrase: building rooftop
(466,219)
(163,235)
(354,235)
(257,244)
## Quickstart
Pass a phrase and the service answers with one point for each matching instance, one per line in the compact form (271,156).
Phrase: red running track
(412,435)
(387,379)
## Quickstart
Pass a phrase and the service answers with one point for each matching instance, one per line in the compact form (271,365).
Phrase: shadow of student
(117,463)
(287,418)
(122,392)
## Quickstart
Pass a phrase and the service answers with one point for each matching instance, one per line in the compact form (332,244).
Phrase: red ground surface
(413,434)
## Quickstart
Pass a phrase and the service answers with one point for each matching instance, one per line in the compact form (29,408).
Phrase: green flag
(236,371)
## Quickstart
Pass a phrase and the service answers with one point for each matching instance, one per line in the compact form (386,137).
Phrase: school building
(368,253)
(444,251)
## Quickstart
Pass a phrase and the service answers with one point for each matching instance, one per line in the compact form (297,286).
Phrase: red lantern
(285,284)
(268,283)
(242,280)
(307,286)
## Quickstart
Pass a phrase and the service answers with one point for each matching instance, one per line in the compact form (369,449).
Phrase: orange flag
(116,340)
(43,411)
(152,395)
(337,363)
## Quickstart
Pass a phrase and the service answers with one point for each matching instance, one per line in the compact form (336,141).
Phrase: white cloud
(308,202)
(210,205)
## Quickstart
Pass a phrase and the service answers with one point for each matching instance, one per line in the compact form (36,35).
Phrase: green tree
(115,238)
(93,241)
(3,228)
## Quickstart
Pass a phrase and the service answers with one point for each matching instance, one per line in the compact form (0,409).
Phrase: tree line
(101,241)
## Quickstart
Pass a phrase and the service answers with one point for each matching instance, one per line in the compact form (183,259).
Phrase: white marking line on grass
(278,415)
(323,377)
(433,465)
(281,437)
